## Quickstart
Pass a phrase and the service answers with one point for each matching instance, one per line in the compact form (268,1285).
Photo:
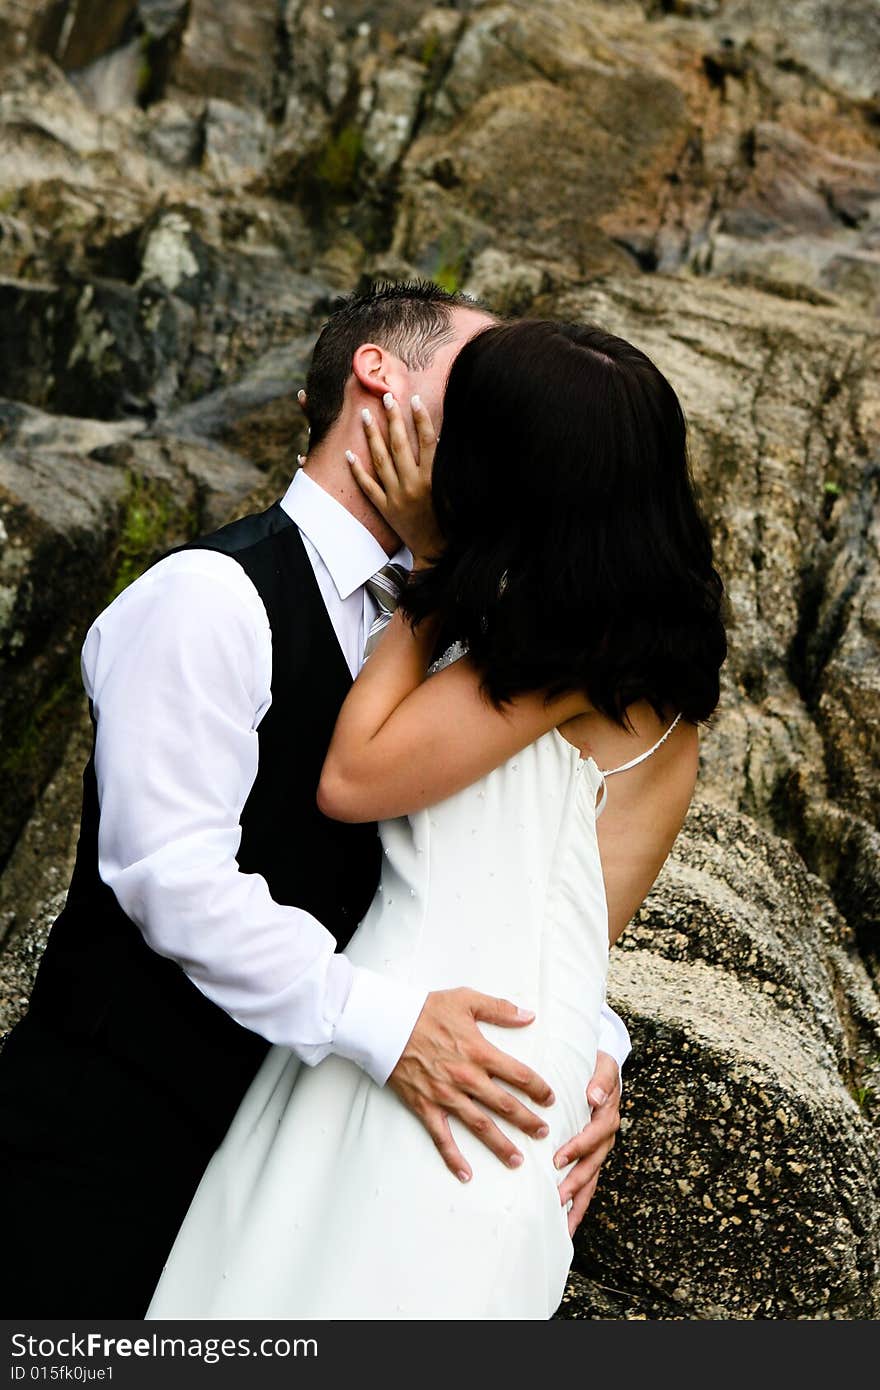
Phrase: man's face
(430,384)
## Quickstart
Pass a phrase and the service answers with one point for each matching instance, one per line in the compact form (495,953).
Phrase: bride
(568,572)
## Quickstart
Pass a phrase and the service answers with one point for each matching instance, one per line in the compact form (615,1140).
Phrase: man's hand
(594,1143)
(449,1067)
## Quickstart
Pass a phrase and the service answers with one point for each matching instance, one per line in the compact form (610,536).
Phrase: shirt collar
(351,554)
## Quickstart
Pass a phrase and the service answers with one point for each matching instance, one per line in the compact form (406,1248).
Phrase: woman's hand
(401,489)
(589,1149)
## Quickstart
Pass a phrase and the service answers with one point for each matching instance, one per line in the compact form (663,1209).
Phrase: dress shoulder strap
(607,772)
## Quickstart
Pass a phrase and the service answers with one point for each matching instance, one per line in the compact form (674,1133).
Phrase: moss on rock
(151,514)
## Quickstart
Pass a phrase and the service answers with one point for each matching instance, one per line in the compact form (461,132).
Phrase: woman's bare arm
(403,742)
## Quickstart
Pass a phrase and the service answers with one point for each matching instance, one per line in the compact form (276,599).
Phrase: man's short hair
(411,318)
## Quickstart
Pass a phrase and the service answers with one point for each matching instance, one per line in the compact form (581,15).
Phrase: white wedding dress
(327,1197)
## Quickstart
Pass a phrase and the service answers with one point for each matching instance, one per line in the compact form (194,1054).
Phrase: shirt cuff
(614,1037)
(375,1025)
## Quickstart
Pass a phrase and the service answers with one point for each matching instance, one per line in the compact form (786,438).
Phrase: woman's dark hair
(577,554)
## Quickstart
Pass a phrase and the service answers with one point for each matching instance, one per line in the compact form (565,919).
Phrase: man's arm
(614,1036)
(178,671)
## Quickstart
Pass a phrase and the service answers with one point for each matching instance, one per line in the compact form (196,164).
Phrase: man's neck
(323,467)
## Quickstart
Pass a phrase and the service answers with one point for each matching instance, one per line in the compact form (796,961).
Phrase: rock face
(750,1097)
(755,1194)
(782,408)
(84,505)
(185,186)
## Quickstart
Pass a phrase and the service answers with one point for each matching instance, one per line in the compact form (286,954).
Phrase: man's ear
(373,368)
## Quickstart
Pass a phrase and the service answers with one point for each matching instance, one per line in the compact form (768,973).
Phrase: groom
(210,895)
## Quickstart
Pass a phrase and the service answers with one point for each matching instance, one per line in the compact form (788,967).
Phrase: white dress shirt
(178,668)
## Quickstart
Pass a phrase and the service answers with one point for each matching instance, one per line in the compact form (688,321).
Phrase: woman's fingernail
(560,1161)
(598,1096)
(367,416)
(527,1014)
(352,458)
(542,1132)
(463,1176)
(416,402)
(388,400)
(515,1161)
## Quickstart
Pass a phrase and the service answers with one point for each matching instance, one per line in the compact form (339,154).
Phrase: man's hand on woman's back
(448,1067)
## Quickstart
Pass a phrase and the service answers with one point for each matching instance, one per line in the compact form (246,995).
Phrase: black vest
(99,978)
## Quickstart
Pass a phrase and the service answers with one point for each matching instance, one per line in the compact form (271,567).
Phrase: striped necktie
(385,587)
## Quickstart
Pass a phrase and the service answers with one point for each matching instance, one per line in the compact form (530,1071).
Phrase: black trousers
(97,1168)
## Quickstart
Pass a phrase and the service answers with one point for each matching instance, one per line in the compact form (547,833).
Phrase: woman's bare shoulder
(645,805)
(609,745)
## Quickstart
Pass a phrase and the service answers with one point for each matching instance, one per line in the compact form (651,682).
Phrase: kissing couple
(321,1031)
